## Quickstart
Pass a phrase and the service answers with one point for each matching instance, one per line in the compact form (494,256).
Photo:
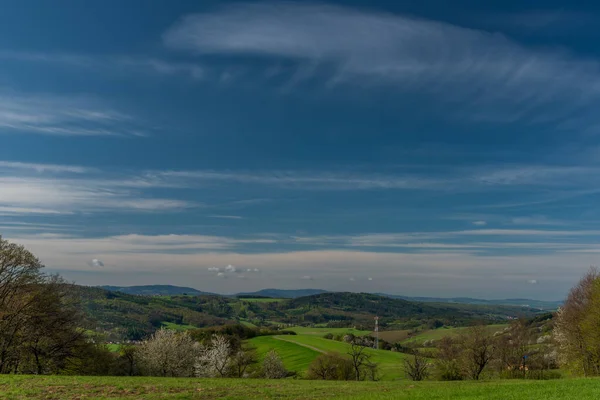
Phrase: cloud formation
(115,64)
(489,77)
(33,188)
(96,263)
(62,116)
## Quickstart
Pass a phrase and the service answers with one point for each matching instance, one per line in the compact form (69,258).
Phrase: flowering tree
(168,353)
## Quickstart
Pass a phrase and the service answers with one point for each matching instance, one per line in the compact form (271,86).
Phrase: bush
(328,336)
(417,368)
(331,367)
(273,366)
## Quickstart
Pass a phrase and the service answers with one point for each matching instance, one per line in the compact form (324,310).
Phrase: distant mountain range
(156,290)
(169,290)
(539,304)
(282,293)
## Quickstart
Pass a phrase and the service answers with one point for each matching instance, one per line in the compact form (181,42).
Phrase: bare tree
(448,360)
(168,353)
(416,367)
(328,366)
(478,348)
(273,366)
(360,358)
(243,358)
(513,349)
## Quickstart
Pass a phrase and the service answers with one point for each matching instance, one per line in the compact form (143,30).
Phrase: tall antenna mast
(376,332)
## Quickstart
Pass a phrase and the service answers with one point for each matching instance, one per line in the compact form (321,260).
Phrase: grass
(247,324)
(20,387)
(390,363)
(177,327)
(260,300)
(295,357)
(393,336)
(113,347)
(437,334)
(316,331)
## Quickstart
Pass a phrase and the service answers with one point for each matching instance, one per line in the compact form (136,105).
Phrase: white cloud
(443,273)
(226,216)
(40,194)
(532,282)
(352,279)
(230,268)
(479,223)
(51,168)
(482,178)
(370,279)
(96,263)
(112,64)
(487,76)
(214,269)
(61,116)
(221,275)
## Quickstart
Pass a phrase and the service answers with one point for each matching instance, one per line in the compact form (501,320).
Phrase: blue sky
(415,148)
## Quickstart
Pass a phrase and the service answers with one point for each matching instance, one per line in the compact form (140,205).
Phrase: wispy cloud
(405,271)
(488,76)
(60,116)
(33,188)
(37,167)
(452,178)
(111,63)
(226,216)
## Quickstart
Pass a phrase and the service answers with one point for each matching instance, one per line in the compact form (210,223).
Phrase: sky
(419,147)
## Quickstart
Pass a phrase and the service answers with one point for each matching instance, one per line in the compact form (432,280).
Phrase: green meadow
(13,387)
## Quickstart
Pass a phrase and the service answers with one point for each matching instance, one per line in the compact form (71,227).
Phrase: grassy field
(65,387)
(437,334)
(394,336)
(295,357)
(302,330)
(248,324)
(177,327)
(390,363)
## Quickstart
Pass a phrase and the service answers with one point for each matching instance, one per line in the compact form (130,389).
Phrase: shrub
(331,366)
(273,366)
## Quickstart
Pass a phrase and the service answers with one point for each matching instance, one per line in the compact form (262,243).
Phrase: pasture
(21,387)
(295,357)
(437,334)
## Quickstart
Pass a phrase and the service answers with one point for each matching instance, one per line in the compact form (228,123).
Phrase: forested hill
(389,308)
(156,290)
(283,293)
(120,315)
(170,290)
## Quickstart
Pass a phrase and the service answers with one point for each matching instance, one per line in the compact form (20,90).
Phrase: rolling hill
(282,293)
(156,290)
